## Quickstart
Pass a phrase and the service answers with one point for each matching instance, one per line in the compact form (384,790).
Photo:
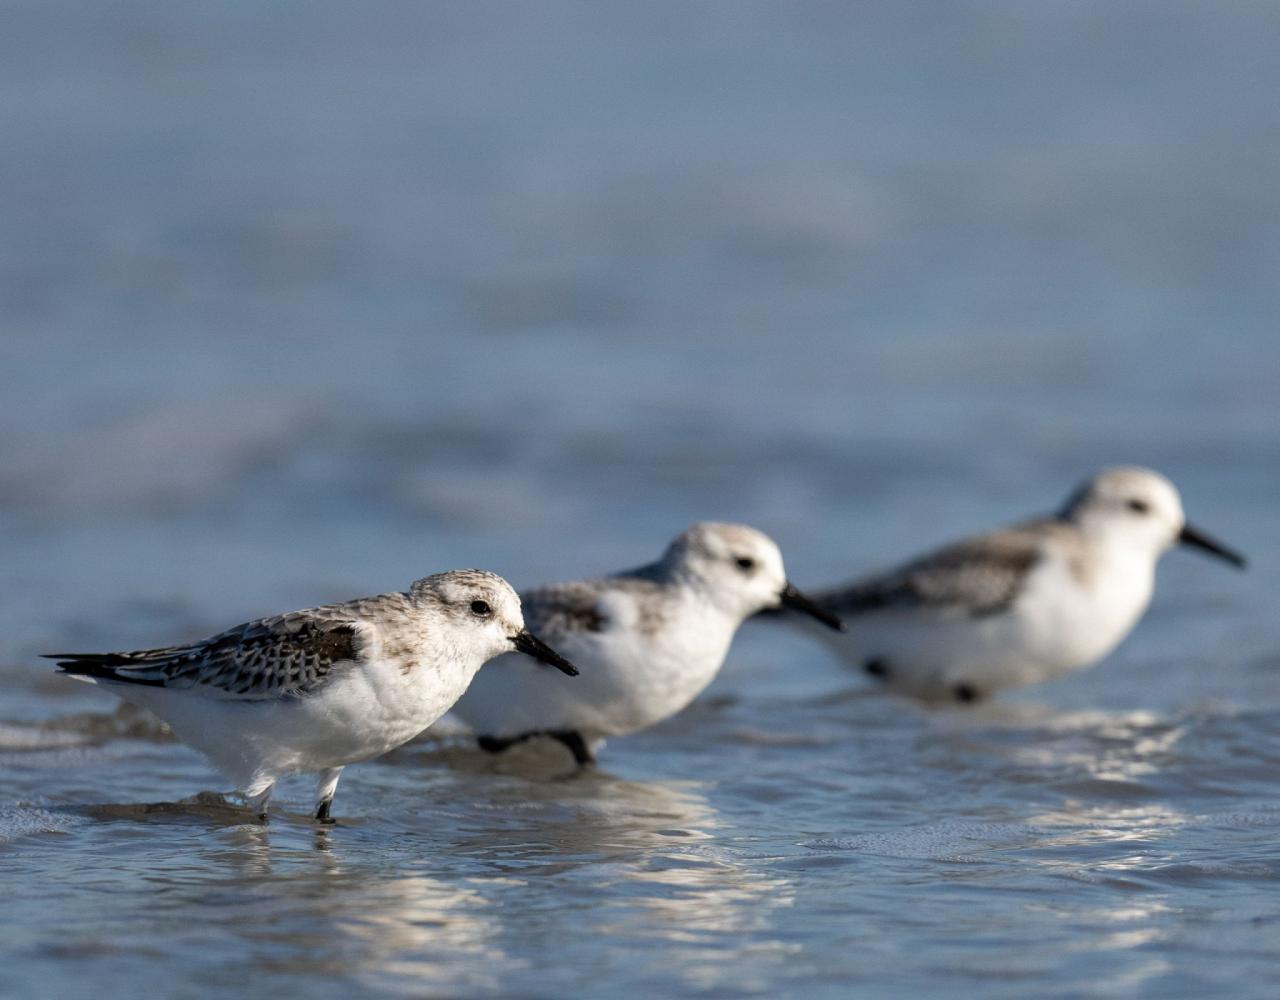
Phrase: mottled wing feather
(277,657)
(562,609)
(978,577)
(559,612)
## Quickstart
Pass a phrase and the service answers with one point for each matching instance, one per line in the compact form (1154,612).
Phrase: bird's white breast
(634,672)
(366,709)
(1077,607)
(1076,604)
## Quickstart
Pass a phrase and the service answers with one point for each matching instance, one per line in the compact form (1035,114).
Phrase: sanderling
(649,640)
(1022,605)
(315,690)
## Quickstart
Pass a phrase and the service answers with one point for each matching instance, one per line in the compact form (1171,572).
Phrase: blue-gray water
(302,301)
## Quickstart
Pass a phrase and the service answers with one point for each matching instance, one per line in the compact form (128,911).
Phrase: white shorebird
(1022,605)
(649,640)
(315,690)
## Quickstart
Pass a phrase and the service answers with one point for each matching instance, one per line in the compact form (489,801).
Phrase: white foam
(22,821)
(14,737)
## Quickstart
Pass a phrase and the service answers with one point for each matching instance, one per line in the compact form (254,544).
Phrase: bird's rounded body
(359,715)
(650,653)
(1022,605)
(1068,613)
(650,641)
(312,691)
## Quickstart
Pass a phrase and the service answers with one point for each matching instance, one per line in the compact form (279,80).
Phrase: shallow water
(301,302)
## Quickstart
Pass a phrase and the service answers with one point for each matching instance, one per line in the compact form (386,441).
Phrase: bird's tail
(95,667)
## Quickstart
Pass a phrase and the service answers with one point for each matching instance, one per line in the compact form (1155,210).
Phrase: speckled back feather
(283,656)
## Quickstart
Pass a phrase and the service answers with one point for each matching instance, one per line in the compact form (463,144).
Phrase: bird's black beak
(1198,539)
(531,645)
(792,598)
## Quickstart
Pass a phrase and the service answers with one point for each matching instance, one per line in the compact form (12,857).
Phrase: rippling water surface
(302,301)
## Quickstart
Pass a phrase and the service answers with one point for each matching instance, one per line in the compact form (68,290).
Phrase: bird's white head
(739,568)
(483,611)
(1141,510)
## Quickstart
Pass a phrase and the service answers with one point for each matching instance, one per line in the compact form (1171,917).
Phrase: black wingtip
(92,671)
(71,663)
(97,667)
(76,659)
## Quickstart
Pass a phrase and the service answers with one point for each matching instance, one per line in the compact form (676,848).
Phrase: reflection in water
(667,881)
(313,906)
(586,818)
(466,879)
(706,913)
(1137,923)
(640,857)
(424,932)
(1100,761)
(711,896)
(476,891)
(1104,746)
(1110,823)
(248,850)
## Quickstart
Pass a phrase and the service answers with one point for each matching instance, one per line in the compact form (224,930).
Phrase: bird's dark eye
(1139,506)
(481,609)
(745,563)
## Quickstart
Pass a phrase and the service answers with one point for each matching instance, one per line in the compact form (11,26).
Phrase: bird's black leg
(497,744)
(570,738)
(326,785)
(576,745)
(258,802)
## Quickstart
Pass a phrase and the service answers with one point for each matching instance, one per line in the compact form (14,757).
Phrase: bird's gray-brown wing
(559,612)
(562,609)
(285,656)
(974,578)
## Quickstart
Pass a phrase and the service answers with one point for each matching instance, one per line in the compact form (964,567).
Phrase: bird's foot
(876,667)
(576,745)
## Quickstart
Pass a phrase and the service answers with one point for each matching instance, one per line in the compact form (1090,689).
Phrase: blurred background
(308,300)
(303,301)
